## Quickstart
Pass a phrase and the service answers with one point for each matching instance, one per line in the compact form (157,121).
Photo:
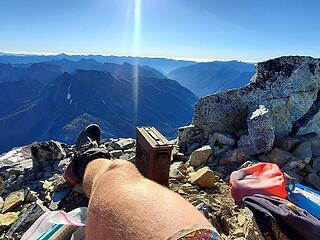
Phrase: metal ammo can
(153,155)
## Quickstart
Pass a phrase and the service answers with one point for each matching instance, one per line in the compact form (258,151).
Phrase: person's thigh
(125,205)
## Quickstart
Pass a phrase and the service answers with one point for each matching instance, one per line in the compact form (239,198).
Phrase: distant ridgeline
(161,64)
(208,78)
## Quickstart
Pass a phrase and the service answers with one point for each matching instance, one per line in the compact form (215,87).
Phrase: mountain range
(55,98)
(201,78)
(212,77)
(71,101)
(45,72)
(164,65)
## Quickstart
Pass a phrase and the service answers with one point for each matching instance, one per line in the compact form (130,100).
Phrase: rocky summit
(287,87)
(273,119)
(32,183)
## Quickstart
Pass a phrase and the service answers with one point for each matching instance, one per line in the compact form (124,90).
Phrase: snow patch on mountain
(69,94)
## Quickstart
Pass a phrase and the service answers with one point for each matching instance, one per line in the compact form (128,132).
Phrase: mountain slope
(73,100)
(41,72)
(207,78)
(16,94)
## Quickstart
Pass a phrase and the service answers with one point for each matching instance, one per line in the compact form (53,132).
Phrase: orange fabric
(201,234)
(72,181)
(261,178)
(196,232)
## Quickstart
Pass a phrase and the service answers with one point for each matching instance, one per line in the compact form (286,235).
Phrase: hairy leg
(125,205)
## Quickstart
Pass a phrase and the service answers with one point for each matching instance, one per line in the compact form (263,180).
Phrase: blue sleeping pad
(306,198)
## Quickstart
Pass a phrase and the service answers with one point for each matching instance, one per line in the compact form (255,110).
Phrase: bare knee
(121,169)
(118,172)
(101,167)
(121,165)
(105,171)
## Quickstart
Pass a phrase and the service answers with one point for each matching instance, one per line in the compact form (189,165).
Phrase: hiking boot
(86,150)
(88,137)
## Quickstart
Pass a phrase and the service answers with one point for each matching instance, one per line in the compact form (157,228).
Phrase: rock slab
(7,219)
(261,132)
(123,144)
(200,156)
(204,177)
(44,153)
(13,200)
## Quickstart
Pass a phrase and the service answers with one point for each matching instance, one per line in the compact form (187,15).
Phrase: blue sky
(249,30)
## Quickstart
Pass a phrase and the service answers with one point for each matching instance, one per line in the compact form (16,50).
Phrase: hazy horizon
(199,31)
(140,56)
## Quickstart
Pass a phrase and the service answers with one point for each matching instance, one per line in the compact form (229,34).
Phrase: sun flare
(136,47)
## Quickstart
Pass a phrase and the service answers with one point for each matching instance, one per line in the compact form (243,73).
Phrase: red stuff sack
(261,178)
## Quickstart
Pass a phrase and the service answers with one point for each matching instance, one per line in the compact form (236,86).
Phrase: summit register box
(153,155)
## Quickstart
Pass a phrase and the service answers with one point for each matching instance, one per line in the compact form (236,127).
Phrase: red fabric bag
(261,178)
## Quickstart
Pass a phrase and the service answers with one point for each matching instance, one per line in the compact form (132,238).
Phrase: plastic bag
(57,225)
